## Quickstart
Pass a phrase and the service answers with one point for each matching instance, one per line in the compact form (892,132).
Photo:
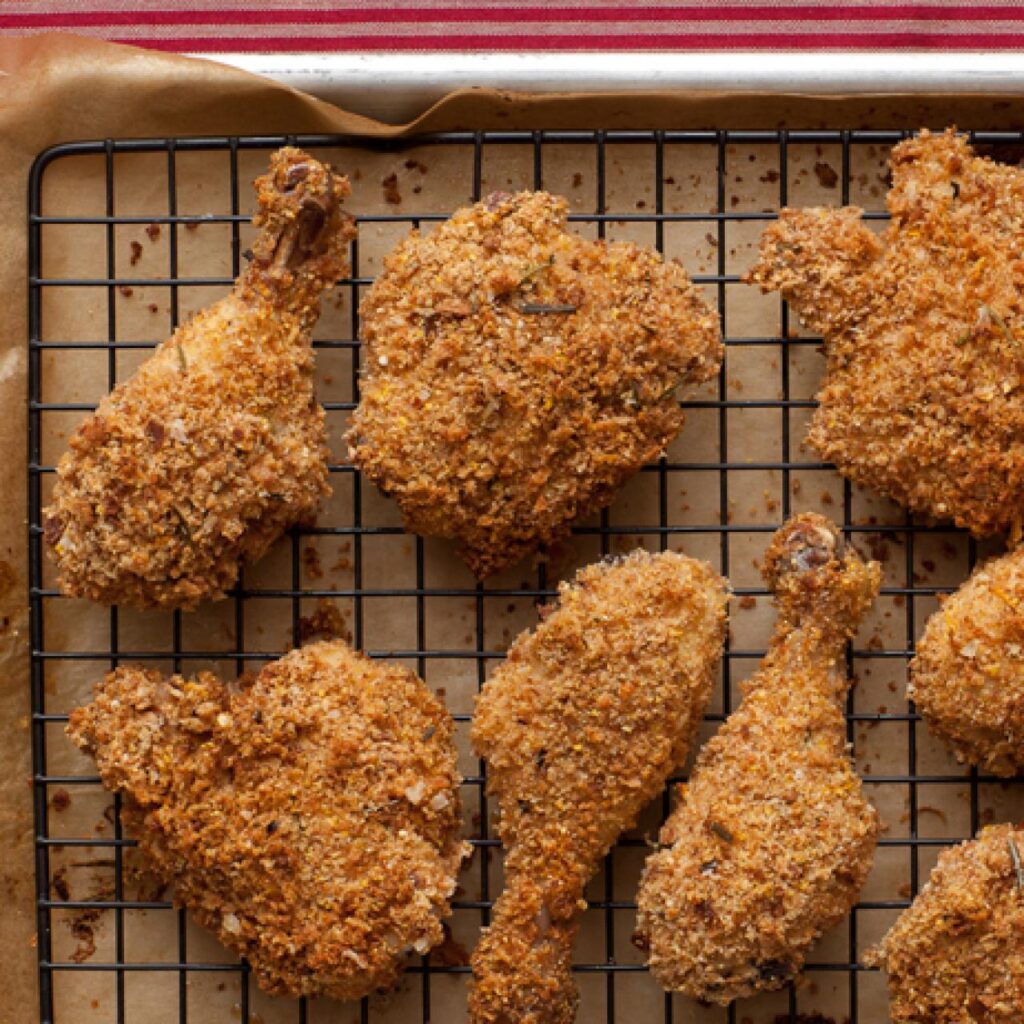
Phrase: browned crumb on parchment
(389,189)
(327,622)
(826,175)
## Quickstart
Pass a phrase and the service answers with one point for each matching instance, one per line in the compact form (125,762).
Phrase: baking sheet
(83,86)
(400,86)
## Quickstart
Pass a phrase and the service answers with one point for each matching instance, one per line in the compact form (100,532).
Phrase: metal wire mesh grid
(718,493)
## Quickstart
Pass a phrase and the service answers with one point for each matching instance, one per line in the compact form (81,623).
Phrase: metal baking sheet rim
(397,87)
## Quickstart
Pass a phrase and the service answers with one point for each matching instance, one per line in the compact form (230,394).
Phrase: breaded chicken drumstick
(580,728)
(215,446)
(517,374)
(772,838)
(956,956)
(924,332)
(308,817)
(967,679)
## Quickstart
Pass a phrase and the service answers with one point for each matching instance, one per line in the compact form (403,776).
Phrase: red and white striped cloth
(220,26)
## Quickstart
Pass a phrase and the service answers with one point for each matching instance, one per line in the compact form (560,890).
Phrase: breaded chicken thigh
(308,817)
(580,728)
(967,679)
(924,332)
(772,838)
(956,956)
(517,374)
(215,446)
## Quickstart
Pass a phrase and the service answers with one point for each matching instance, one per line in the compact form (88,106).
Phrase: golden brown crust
(772,837)
(968,677)
(956,956)
(924,331)
(498,426)
(580,728)
(215,446)
(308,817)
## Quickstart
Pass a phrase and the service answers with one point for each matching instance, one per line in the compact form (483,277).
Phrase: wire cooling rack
(735,443)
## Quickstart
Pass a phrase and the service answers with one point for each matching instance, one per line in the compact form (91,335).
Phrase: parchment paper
(61,88)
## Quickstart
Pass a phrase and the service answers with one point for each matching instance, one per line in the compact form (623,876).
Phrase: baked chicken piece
(580,728)
(967,679)
(517,375)
(215,446)
(308,817)
(957,954)
(924,332)
(772,838)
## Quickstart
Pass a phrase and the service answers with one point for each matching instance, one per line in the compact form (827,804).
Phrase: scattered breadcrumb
(326,622)
(389,187)
(825,174)
(311,562)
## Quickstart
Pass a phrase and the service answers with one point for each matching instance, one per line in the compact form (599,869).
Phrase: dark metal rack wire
(474,144)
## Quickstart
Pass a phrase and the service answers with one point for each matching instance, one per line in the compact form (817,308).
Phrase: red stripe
(763,12)
(654,41)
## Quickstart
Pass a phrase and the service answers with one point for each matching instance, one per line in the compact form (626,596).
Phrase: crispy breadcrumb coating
(516,374)
(308,817)
(924,332)
(968,677)
(772,838)
(215,446)
(957,954)
(580,728)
